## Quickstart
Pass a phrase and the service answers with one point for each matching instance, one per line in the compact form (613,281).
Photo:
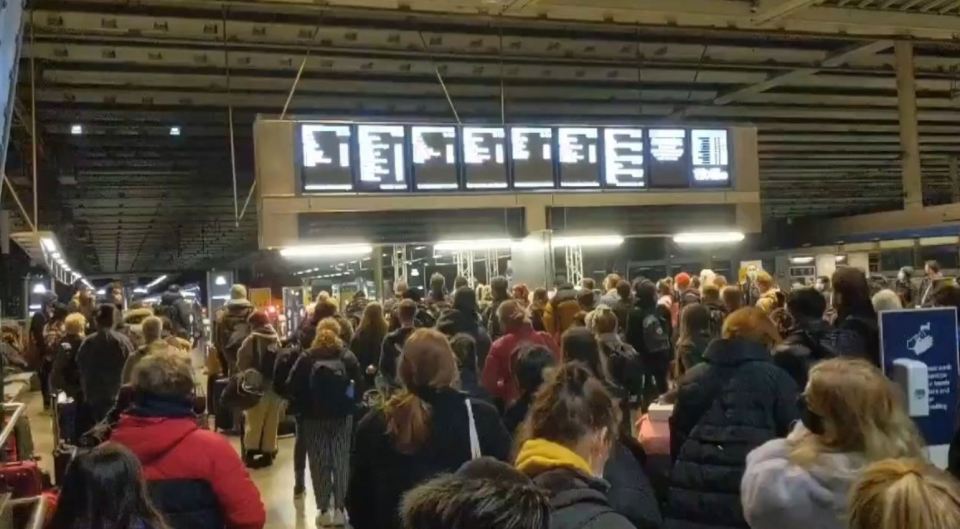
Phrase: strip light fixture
(156,282)
(709,237)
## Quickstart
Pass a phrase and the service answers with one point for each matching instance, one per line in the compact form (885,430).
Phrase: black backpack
(285,362)
(267,358)
(238,333)
(331,390)
(424,317)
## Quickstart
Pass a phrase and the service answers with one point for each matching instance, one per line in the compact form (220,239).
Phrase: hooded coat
(464,318)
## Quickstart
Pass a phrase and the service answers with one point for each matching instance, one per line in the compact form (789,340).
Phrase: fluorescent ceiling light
(156,281)
(140,290)
(102,292)
(174,131)
(326,250)
(415,272)
(708,237)
(220,280)
(55,255)
(472,244)
(801,260)
(76,129)
(48,244)
(588,241)
(840,258)
(39,288)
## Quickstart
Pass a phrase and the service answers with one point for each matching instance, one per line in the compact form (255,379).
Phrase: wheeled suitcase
(65,419)
(223,418)
(63,455)
(22,479)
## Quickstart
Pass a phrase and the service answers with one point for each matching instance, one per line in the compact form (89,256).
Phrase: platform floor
(275,483)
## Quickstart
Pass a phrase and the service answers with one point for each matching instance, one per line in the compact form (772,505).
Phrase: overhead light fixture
(806,259)
(220,280)
(588,241)
(420,248)
(39,288)
(140,290)
(102,292)
(48,244)
(76,129)
(709,237)
(472,244)
(156,281)
(415,272)
(326,250)
(840,258)
(174,131)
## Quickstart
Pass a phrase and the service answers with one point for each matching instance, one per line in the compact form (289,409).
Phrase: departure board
(426,157)
(669,162)
(485,157)
(382,164)
(579,154)
(711,157)
(531,153)
(624,156)
(434,157)
(326,157)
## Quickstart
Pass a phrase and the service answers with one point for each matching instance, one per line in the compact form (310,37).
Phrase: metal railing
(13,411)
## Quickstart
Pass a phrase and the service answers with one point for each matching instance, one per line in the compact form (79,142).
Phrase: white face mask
(599,453)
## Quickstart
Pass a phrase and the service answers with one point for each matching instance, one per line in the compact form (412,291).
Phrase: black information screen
(434,157)
(531,151)
(484,157)
(382,164)
(669,161)
(623,158)
(326,157)
(711,164)
(578,149)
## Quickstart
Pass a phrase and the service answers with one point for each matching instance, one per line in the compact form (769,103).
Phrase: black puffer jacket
(857,336)
(579,501)
(631,493)
(807,344)
(464,318)
(732,403)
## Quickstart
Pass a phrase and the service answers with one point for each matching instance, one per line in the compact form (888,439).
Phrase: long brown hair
(373,322)
(752,324)
(426,364)
(569,405)
(862,412)
(904,494)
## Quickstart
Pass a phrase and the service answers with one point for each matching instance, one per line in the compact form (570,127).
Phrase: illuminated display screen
(434,157)
(669,165)
(579,153)
(485,157)
(393,157)
(531,151)
(382,164)
(623,154)
(326,157)
(710,156)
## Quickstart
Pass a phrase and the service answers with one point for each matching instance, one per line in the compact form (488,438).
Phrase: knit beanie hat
(238,292)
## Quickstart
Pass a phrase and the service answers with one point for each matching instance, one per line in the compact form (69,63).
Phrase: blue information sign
(919,351)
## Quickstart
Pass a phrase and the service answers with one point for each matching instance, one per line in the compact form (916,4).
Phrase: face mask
(811,421)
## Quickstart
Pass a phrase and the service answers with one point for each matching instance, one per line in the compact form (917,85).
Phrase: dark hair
(407,310)
(412,294)
(806,304)
(784,321)
(498,288)
(437,282)
(854,293)
(732,298)
(646,293)
(465,349)
(105,489)
(484,493)
(60,312)
(588,283)
(459,282)
(326,308)
(947,295)
(571,404)
(258,318)
(586,299)
(106,316)
(540,294)
(580,345)
(529,367)
(623,289)
(694,321)
(710,293)
(465,300)
(933,265)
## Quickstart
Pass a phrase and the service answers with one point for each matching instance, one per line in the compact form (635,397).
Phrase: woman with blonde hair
(905,494)
(426,429)
(731,403)
(851,415)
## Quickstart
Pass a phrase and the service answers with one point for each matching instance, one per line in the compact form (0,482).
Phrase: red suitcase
(22,479)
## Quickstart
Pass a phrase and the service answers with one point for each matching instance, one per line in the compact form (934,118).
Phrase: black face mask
(810,420)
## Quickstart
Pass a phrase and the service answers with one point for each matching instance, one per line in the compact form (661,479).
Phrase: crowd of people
(518,409)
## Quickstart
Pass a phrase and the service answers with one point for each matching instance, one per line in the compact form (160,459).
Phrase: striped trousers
(328,453)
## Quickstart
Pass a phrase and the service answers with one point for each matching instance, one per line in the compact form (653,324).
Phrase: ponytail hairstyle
(512,316)
(904,494)
(570,405)
(427,365)
(327,342)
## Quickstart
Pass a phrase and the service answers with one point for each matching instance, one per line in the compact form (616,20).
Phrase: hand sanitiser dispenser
(912,376)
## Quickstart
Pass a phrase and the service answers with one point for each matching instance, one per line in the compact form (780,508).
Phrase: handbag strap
(474,438)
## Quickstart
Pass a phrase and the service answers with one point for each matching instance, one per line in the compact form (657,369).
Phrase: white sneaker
(339,518)
(325,519)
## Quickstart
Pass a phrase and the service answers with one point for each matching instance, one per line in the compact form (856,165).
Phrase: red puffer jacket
(195,477)
(498,377)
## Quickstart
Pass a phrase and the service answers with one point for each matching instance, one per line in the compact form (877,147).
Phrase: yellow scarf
(539,455)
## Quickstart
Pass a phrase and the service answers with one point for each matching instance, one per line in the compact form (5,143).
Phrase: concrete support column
(954,179)
(378,272)
(909,135)
(534,218)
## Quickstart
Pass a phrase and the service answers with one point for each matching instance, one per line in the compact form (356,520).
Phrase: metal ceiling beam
(772,11)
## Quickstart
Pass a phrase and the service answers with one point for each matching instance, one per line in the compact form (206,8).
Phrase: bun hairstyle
(511,314)
(570,405)
(427,364)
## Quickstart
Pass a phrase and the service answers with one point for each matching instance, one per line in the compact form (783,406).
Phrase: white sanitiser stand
(912,377)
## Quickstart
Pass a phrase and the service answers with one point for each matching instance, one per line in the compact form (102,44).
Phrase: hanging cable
(443,85)
(33,122)
(233,146)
